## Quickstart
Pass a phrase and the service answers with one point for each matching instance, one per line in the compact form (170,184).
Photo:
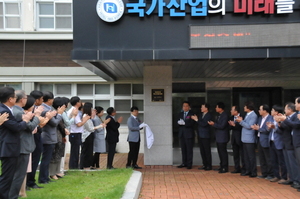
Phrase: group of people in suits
(34,128)
(274,131)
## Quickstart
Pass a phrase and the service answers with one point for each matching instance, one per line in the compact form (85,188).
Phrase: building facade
(118,53)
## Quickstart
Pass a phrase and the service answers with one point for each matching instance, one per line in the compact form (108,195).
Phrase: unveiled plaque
(158,95)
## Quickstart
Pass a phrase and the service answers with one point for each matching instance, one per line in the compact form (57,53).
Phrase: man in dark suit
(36,154)
(249,139)
(222,136)
(9,140)
(292,122)
(263,142)
(236,141)
(112,135)
(186,135)
(276,148)
(204,136)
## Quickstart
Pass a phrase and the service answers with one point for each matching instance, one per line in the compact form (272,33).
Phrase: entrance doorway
(195,99)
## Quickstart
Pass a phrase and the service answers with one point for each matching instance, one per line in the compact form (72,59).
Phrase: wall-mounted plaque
(158,95)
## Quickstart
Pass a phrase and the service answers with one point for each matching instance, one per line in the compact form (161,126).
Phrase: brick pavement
(168,182)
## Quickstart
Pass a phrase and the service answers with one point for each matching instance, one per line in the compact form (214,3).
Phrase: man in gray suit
(49,135)
(27,142)
(249,139)
(134,139)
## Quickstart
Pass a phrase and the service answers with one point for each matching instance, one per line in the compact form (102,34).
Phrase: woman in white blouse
(86,157)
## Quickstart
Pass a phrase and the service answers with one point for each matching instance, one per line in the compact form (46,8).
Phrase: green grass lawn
(105,184)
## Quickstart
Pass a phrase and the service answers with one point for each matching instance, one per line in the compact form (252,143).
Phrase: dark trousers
(297,154)
(205,151)
(291,165)
(277,160)
(187,151)
(86,156)
(250,158)
(44,166)
(75,141)
(265,161)
(238,157)
(223,155)
(111,153)
(35,158)
(19,176)
(9,168)
(96,161)
(134,148)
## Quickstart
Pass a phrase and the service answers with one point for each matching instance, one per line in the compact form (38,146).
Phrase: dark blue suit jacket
(10,134)
(264,131)
(278,138)
(236,136)
(187,130)
(285,130)
(112,130)
(295,125)
(222,131)
(203,126)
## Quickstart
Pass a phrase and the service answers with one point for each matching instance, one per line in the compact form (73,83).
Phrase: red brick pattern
(167,182)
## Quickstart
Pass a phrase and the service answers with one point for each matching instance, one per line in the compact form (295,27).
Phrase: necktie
(185,113)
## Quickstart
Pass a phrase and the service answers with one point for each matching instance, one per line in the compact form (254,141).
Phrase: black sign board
(158,95)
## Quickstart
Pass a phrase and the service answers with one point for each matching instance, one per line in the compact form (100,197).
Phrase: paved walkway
(171,182)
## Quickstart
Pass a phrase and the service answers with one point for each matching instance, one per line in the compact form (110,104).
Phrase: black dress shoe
(218,169)
(189,167)
(43,182)
(202,168)
(35,187)
(28,188)
(61,176)
(181,166)
(136,167)
(208,169)
(287,182)
(261,177)
(245,174)
(110,168)
(236,171)
(296,187)
(252,175)
(128,167)
(223,170)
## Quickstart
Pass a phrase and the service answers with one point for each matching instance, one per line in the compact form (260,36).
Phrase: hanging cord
(23,60)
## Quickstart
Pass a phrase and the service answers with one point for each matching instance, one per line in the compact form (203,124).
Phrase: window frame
(54,16)
(100,97)
(5,16)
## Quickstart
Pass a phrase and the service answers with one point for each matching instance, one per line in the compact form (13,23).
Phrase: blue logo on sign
(110,8)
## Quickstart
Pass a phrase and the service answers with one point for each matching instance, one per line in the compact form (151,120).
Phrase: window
(46,87)
(10,15)
(84,89)
(54,15)
(102,89)
(16,86)
(122,105)
(137,89)
(103,103)
(120,96)
(63,89)
(122,89)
